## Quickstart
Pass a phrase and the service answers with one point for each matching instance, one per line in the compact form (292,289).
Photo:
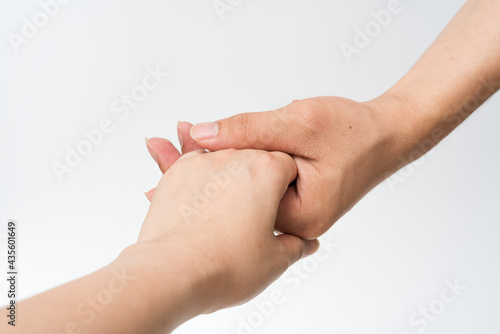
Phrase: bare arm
(344,148)
(188,259)
(452,79)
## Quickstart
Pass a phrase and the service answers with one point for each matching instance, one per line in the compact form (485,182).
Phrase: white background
(397,247)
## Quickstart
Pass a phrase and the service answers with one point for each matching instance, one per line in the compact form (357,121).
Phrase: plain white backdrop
(394,252)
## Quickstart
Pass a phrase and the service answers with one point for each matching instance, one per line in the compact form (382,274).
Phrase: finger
(275,170)
(293,248)
(187,143)
(277,130)
(163,152)
(285,172)
(192,154)
(291,215)
(150,194)
(300,212)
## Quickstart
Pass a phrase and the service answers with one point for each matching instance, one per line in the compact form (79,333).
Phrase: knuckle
(265,160)
(263,165)
(192,154)
(293,256)
(275,125)
(223,157)
(239,127)
(310,117)
(301,248)
(229,152)
(256,129)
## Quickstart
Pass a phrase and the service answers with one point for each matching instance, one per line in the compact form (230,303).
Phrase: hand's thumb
(295,248)
(258,130)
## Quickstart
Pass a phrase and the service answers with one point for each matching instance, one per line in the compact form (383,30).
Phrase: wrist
(176,285)
(399,126)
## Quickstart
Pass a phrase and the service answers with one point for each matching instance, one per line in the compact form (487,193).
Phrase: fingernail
(179,134)
(152,150)
(205,130)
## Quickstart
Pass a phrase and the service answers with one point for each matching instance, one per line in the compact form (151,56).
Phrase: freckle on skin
(350,127)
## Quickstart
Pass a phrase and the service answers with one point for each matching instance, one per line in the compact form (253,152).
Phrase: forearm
(123,297)
(453,78)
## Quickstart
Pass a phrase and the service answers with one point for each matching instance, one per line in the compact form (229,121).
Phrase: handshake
(249,195)
(294,171)
(246,198)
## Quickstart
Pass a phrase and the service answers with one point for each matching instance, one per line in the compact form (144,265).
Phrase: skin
(343,148)
(184,265)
